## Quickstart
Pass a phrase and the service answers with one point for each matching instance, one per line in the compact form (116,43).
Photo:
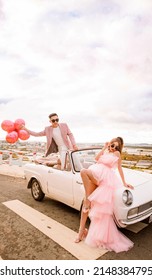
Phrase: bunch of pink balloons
(14,130)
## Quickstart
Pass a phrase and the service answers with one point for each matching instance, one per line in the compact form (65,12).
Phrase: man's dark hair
(53,114)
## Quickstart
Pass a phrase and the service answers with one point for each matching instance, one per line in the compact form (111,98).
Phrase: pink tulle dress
(103,231)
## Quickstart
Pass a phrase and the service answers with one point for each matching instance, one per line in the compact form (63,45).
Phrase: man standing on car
(59,138)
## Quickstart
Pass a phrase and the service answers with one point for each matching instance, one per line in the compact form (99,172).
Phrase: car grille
(140,211)
(144,207)
(136,214)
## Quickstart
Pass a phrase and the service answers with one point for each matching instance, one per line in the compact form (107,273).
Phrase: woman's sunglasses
(55,120)
(113,146)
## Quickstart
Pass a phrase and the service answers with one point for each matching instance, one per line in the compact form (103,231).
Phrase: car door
(60,184)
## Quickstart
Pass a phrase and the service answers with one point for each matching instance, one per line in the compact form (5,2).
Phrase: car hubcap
(35,189)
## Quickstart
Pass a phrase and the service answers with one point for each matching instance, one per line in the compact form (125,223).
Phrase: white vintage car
(131,206)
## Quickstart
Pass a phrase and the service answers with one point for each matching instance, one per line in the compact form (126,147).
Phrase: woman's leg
(90,185)
(82,230)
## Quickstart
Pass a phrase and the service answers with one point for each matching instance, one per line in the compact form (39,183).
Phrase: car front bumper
(136,215)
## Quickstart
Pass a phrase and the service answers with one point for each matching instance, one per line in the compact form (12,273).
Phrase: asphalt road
(19,240)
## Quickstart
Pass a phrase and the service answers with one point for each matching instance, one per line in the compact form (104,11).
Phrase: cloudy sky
(88,60)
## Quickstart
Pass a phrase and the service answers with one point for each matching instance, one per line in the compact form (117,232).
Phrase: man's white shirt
(58,139)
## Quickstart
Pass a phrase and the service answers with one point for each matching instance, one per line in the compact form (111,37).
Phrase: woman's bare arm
(102,151)
(122,174)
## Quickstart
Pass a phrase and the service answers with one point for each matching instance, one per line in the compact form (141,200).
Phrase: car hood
(135,177)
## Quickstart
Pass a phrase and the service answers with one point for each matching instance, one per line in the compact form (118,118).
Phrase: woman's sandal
(81,235)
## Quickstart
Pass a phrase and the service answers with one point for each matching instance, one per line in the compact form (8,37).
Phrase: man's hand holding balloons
(15,130)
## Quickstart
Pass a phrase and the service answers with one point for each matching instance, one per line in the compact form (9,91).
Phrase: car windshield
(84,158)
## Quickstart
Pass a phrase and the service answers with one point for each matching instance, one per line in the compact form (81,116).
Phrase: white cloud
(89,61)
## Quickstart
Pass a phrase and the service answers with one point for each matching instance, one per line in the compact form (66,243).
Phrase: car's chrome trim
(142,209)
(80,183)
(137,218)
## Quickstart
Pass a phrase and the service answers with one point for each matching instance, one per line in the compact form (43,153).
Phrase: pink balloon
(23,134)
(7,126)
(12,137)
(18,123)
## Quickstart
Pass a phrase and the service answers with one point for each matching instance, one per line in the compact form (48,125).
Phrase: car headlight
(127,198)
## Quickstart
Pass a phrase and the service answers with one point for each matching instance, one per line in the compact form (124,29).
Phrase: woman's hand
(129,186)
(106,144)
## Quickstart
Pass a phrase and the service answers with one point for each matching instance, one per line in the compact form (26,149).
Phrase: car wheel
(36,190)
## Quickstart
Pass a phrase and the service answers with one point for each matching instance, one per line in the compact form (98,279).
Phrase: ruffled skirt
(103,231)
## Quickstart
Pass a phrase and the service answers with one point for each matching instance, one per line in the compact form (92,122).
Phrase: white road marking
(136,227)
(56,231)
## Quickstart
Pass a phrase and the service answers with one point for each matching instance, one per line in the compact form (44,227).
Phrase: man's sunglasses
(55,120)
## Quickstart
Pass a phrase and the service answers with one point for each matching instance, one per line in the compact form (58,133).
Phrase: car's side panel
(60,185)
(38,172)
(78,191)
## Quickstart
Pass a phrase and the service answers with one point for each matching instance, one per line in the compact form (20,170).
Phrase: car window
(83,158)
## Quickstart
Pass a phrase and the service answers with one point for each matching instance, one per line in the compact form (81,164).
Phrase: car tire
(36,190)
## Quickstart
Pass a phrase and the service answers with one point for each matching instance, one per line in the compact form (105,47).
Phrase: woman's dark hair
(121,140)
(121,143)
